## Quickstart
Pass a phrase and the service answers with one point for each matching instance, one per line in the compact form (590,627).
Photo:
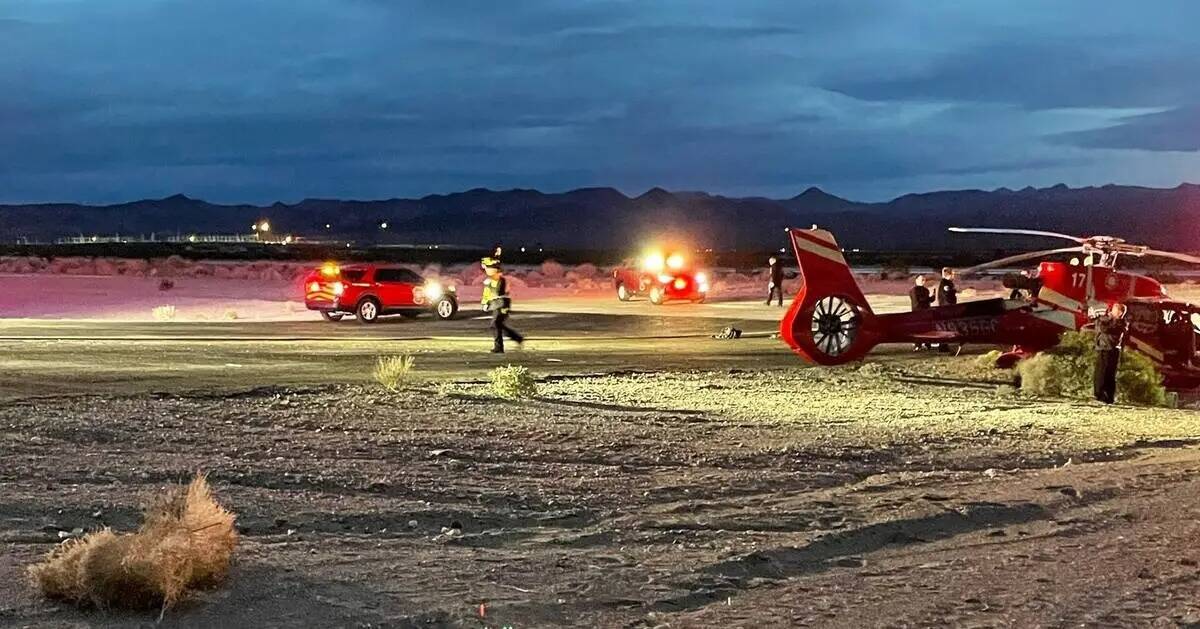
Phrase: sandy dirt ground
(660,478)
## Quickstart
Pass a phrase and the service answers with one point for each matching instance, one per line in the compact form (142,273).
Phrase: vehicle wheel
(656,296)
(329,315)
(623,293)
(446,308)
(367,311)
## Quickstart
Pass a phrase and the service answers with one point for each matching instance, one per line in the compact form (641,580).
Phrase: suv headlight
(433,290)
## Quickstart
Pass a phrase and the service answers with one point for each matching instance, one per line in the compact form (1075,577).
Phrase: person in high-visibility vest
(497,301)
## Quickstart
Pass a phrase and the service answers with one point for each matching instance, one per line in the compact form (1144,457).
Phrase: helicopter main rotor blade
(1023,232)
(1018,258)
(1175,256)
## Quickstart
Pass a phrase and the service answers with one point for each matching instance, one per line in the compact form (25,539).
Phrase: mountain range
(596,218)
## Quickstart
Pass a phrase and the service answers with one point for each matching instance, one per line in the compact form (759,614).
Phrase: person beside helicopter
(920,299)
(1111,328)
(947,292)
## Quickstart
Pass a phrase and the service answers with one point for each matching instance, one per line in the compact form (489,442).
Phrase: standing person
(775,287)
(921,300)
(947,293)
(497,301)
(919,295)
(1110,337)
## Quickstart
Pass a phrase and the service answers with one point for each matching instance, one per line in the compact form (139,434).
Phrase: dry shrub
(988,360)
(230,314)
(163,313)
(185,542)
(513,382)
(1068,369)
(587,271)
(391,372)
(553,270)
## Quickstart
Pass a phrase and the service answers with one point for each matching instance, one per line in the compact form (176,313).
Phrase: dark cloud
(1174,130)
(284,99)
(1038,75)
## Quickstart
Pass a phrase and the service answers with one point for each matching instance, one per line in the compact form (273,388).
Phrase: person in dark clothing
(497,301)
(1179,339)
(1110,337)
(947,294)
(919,295)
(1016,294)
(775,287)
(921,300)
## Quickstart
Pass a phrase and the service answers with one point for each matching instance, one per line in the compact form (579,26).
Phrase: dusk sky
(264,100)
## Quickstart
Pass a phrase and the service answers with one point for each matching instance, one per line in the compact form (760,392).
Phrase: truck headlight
(338,288)
(665,279)
(433,291)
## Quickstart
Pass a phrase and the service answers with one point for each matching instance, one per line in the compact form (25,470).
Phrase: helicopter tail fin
(829,321)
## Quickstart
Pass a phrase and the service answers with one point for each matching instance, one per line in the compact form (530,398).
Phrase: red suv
(661,279)
(369,290)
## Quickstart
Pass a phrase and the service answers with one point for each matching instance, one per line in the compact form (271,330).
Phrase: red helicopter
(831,323)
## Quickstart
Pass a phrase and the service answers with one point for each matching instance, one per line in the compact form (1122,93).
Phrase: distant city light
(264,226)
(522,249)
(327,225)
(383,225)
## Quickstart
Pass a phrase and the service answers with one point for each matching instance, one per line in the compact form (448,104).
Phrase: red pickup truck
(660,279)
(368,291)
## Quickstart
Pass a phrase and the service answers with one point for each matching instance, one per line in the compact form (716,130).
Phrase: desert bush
(1068,369)
(1139,381)
(587,271)
(552,270)
(184,543)
(513,382)
(988,360)
(391,372)
(163,313)
(230,314)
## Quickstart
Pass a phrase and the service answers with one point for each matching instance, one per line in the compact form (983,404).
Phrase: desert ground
(660,477)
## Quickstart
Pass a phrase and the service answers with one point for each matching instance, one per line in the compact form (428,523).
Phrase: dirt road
(659,479)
